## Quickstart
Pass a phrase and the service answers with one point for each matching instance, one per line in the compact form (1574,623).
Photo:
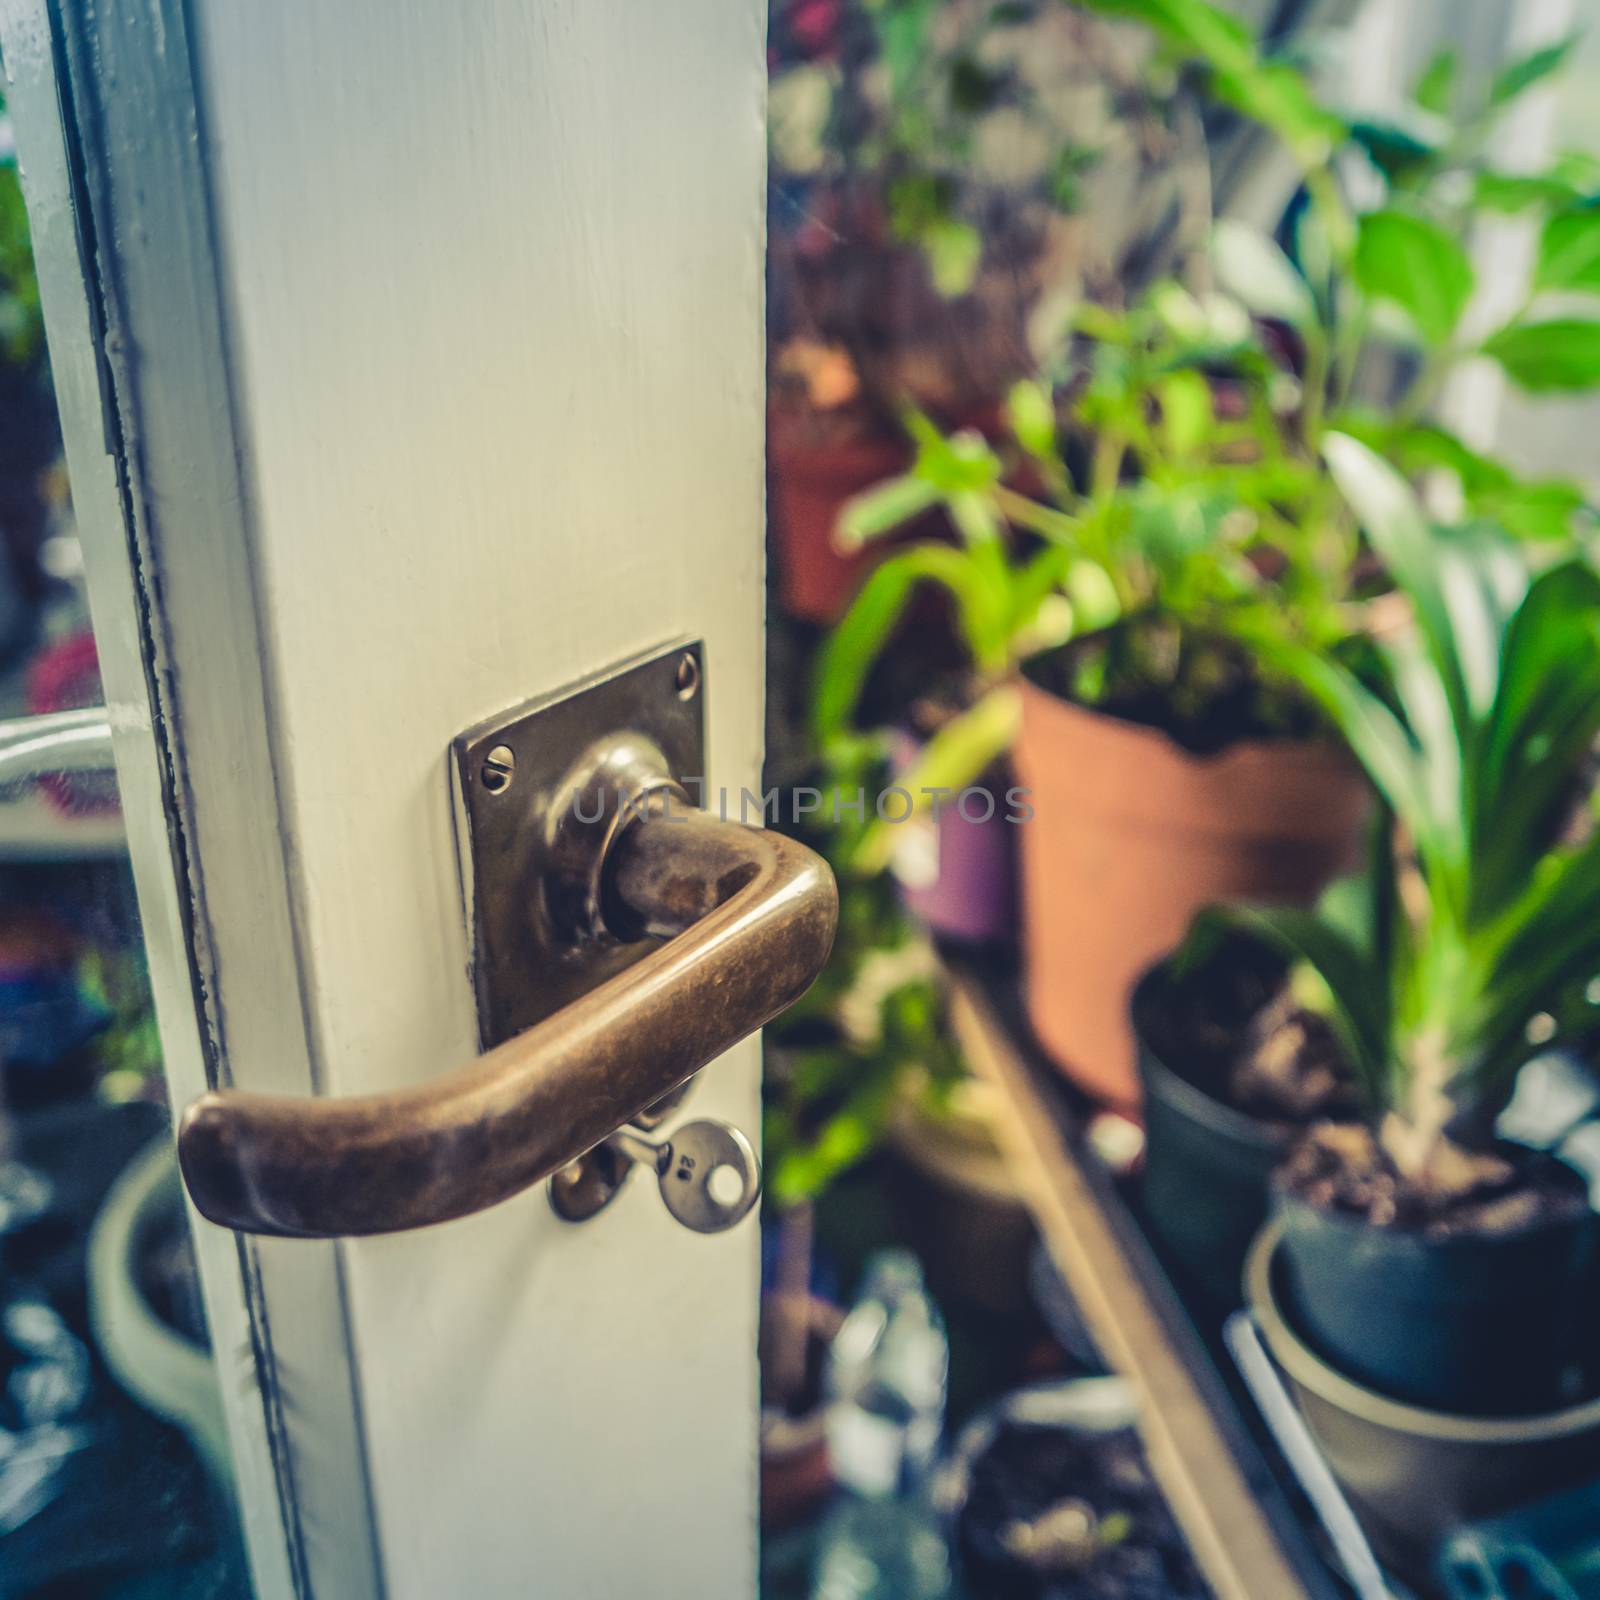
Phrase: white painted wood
(447,390)
(68,285)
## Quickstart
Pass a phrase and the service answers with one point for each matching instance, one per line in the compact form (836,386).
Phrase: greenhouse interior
(967,629)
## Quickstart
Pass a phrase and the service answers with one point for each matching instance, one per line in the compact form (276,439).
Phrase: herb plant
(870,1031)
(1174,450)
(1471,943)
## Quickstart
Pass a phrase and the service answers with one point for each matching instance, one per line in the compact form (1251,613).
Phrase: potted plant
(1232,1063)
(839,1064)
(870,1064)
(1047,1492)
(1177,446)
(1007,603)
(1136,821)
(1420,1262)
(925,164)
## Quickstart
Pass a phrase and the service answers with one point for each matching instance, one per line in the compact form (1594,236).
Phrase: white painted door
(410,355)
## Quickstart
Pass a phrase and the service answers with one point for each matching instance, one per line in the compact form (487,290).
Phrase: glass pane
(114,1473)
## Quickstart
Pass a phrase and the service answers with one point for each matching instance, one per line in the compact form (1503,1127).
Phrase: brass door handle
(750,917)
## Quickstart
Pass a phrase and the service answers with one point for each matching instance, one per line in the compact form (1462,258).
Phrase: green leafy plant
(1173,488)
(888,98)
(1175,448)
(869,1032)
(1471,943)
(1400,273)
(1006,607)
(21,320)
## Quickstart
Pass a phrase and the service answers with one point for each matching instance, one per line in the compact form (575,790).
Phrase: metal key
(708,1172)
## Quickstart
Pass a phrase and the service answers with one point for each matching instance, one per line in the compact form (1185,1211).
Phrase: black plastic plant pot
(1208,1167)
(1485,1325)
(1414,1475)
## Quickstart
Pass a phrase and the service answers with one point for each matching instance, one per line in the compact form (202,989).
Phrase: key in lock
(708,1173)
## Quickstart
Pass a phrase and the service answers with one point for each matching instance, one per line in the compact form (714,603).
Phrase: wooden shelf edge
(1232,1537)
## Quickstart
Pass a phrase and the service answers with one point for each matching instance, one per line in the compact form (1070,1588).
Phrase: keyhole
(725,1185)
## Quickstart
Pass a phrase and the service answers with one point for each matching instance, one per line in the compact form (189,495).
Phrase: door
(410,367)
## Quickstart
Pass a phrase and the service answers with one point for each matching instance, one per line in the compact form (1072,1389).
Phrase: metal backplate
(512,777)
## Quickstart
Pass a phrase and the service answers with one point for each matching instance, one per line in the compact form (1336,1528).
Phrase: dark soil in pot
(1061,1513)
(1201,691)
(1231,1068)
(1473,1294)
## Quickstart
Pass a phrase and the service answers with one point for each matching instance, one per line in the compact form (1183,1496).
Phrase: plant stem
(1315,389)
(1106,472)
(1027,513)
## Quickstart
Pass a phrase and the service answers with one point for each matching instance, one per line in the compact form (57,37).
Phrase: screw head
(498,767)
(688,675)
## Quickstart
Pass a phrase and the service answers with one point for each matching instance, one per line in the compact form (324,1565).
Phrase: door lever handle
(749,917)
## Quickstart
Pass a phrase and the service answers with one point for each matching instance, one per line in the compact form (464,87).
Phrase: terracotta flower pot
(808,481)
(795,1474)
(1130,836)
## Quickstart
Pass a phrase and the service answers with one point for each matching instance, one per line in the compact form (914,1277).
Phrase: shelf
(31,829)
(1245,1534)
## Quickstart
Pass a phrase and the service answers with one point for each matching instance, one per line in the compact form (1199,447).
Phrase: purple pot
(957,874)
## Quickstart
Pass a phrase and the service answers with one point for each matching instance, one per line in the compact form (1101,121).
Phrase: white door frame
(159,500)
(169,151)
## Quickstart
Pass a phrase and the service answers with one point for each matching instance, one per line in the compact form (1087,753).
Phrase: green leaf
(1172,526)
(1527,70)
(1431,718)
(1376,737)
(1186,415)
(1539,510)
(803,1170)
(954,251)
(1273,93)
(1569,252)
(1359,989)
(881,509)
(960,464)
(1401,152)
(1553,949)
(852,647)
(1544,718)
(1252,268)
(1031,414)
(956,756)
(1095,603)
(1434,89)
(1460,620)
(1558,356)
(1417,266)
(1514,191)
(1517,191)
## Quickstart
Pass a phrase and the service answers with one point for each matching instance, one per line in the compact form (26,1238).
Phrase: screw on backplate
(688,676)
(498,767)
